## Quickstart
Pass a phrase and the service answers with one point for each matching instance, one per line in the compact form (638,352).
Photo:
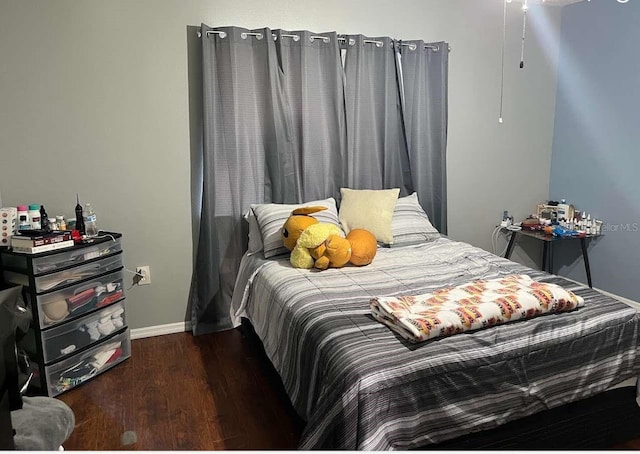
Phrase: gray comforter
(360,386)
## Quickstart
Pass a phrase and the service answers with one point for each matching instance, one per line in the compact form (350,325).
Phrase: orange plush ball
(363,247)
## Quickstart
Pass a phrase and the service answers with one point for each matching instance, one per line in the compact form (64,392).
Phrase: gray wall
(95,98)
(595,147)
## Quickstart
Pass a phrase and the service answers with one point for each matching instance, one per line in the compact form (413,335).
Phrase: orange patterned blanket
(475,305)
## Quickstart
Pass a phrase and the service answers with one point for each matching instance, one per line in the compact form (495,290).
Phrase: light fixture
(525,7)
(504,40)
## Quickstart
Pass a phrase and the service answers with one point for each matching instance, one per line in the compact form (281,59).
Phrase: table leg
(512,240)
(544,255)
(550,268)
(585,257)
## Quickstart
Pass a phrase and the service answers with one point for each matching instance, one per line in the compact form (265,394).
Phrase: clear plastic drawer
(63,340)
(55,280)
(71,302)
(63,259)
(52,281)
(73,371)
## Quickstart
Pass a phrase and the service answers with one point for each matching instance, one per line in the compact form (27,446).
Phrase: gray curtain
(247,157)
(377,149)
(284,122)
(313,85)
(424,78)
(274,131)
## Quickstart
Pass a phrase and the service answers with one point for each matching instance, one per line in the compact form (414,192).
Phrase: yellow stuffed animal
(314,244)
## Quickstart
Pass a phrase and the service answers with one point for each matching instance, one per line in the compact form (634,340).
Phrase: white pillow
(369,209)
(410,224)
(272,216)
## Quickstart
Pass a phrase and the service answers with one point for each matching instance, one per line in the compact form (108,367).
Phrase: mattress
(360,386)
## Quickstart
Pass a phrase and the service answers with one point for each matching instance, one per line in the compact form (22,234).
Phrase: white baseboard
(160,330)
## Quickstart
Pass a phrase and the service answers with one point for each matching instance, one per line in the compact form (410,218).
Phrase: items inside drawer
(73,301)
(68,338)
(71,372)
(75,256)
(69,276)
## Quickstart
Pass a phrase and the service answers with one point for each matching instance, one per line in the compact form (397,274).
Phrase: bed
(360,386)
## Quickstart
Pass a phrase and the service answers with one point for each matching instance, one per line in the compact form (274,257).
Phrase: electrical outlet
(146,275)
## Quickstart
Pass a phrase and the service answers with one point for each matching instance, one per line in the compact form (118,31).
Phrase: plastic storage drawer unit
(63,340)
(70,302)
(73,371)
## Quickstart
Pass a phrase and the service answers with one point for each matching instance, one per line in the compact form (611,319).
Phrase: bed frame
(599,422)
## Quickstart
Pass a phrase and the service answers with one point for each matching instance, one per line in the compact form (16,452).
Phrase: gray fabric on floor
(43,424)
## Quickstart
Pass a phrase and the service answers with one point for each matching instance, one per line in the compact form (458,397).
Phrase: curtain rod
(325,39)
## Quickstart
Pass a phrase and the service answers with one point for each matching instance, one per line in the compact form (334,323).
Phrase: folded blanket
(471,306)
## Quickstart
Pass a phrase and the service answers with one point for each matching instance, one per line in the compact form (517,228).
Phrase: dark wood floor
(183,392)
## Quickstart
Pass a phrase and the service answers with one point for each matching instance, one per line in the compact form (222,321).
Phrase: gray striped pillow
(272,216)
(410,224)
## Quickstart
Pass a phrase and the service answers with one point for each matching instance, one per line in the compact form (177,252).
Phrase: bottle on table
(44,219)
(79,217)
(91,222)
(23,218)
(34,217)
(62,224)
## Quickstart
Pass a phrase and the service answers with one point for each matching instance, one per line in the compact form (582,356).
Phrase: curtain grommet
(221,35)
(379,44)
(296,38)
(244,35)
(325,39)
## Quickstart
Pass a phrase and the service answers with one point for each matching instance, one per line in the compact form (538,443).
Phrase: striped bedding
(361,386)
